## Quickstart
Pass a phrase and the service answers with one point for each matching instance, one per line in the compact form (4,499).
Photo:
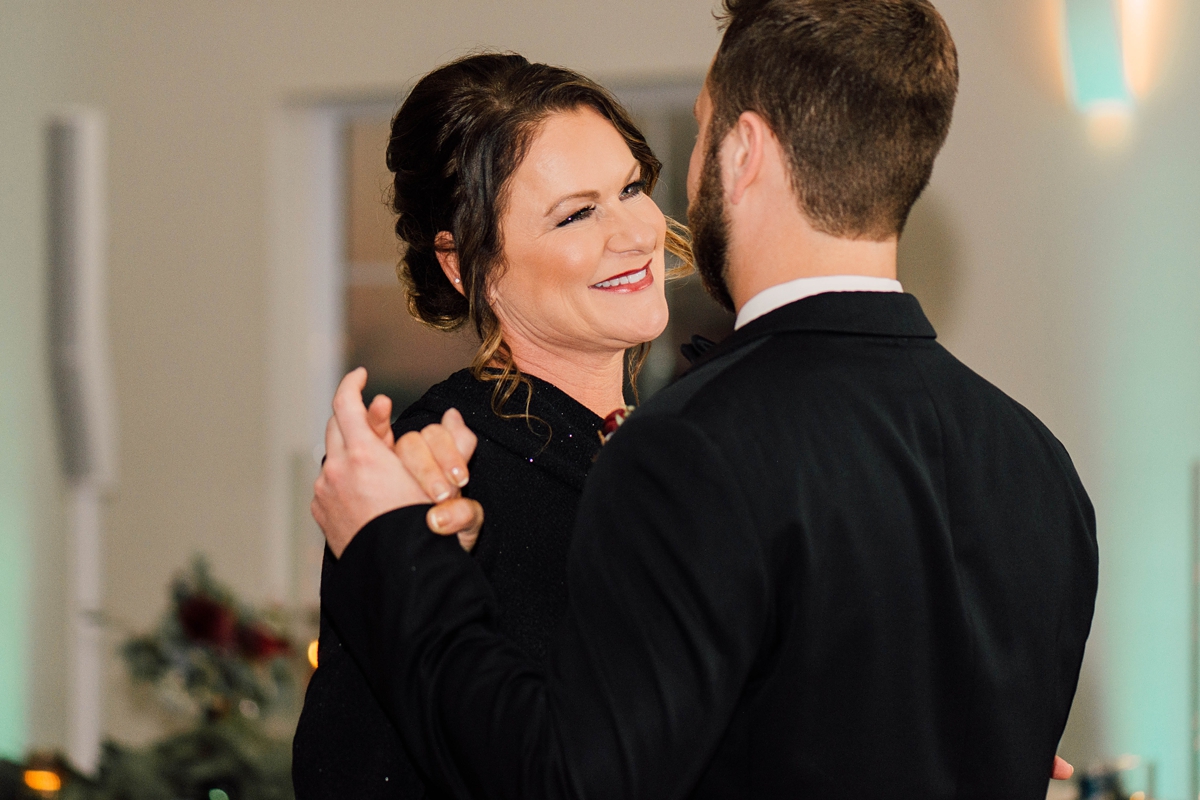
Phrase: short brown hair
(859,92)
(455,143)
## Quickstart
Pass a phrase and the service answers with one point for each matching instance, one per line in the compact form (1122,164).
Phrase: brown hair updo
(455,143)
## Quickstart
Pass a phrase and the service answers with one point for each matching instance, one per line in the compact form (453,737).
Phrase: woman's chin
(653,323)
(646,333)
(640,319)
(658,329)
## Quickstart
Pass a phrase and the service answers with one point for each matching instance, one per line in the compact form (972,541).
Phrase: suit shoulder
(949,374)
(975,412)
(679,398)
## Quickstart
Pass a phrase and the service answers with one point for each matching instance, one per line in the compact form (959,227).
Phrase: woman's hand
(361,476)
(364,475)
(437,459)
(435,455)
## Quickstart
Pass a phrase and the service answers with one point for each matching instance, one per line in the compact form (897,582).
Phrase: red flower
(205,621)
(613,421)
(259,642)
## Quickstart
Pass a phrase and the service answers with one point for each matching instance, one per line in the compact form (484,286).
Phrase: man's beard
(710,231)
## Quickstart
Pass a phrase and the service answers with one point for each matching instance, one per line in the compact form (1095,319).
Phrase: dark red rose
(612,422)
(205,621)
(258,642)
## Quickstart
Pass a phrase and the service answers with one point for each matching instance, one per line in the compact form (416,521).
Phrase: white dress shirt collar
(781,294)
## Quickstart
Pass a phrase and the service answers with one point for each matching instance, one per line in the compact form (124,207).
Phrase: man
(830,543)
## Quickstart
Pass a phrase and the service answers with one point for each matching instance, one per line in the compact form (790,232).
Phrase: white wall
(1076,288)
(33,624)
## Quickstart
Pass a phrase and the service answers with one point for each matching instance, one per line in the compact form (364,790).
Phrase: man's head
(858,94)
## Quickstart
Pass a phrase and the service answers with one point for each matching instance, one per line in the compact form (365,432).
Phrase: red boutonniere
(613,421)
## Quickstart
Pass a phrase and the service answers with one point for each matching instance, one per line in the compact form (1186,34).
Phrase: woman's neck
(593,379)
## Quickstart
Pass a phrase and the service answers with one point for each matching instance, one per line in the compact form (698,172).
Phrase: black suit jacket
(831,561)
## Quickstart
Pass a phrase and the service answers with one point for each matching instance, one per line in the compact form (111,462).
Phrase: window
(403,357)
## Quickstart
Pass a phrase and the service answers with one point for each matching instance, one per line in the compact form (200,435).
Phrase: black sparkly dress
(528,475)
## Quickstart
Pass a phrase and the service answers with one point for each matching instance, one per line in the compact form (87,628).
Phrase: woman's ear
(443,245)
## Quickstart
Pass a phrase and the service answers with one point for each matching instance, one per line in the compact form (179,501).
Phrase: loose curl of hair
(455,144)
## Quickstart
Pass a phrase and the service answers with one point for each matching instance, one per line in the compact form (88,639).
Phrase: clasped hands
(367,472)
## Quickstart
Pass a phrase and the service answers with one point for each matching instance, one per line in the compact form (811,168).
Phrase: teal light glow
(1094,66)
(13,615)
(15,542)
(1143,248)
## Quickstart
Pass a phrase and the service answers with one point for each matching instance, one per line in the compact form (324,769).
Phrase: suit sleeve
(669,598)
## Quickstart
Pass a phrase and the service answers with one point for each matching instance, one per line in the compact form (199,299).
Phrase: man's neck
(776,254)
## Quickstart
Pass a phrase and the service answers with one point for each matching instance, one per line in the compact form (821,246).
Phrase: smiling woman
(551,160)
(578,226)
(523,200)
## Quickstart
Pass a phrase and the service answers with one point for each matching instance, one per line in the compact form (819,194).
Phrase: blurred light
(1127,762)
(1143,35)
(1109,124)
(312,653)
(1093,62)
(1112,54)
(1112,50)
(1138,796)
(42,780)
(249,708)
(218,794)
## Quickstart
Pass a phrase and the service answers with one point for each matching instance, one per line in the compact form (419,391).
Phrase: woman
(523,198)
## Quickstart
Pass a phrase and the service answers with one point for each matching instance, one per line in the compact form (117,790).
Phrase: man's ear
(443,245)
(742,154)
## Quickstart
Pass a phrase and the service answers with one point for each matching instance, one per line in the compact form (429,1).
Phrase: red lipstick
(633,281)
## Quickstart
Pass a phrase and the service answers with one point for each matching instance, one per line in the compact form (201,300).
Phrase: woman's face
(583,243)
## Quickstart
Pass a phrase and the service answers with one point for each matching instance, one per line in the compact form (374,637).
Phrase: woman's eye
(635,188)
(582,213)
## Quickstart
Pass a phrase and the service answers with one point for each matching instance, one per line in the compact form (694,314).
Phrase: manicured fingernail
(437,520)
(460,476)
(442,492)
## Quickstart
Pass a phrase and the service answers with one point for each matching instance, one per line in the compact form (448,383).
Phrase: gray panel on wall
(77,336)
(63,253)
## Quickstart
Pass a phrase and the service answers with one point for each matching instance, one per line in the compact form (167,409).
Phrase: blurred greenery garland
(222,665)
(212,654)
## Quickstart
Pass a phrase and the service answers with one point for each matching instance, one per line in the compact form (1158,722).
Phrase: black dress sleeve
(669,603)
(344,745)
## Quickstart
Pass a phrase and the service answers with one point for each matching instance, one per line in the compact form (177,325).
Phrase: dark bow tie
(694,349)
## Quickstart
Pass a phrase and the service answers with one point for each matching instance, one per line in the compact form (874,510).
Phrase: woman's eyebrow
(591,194)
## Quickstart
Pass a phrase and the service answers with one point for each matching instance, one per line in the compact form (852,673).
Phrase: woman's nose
(632,234)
